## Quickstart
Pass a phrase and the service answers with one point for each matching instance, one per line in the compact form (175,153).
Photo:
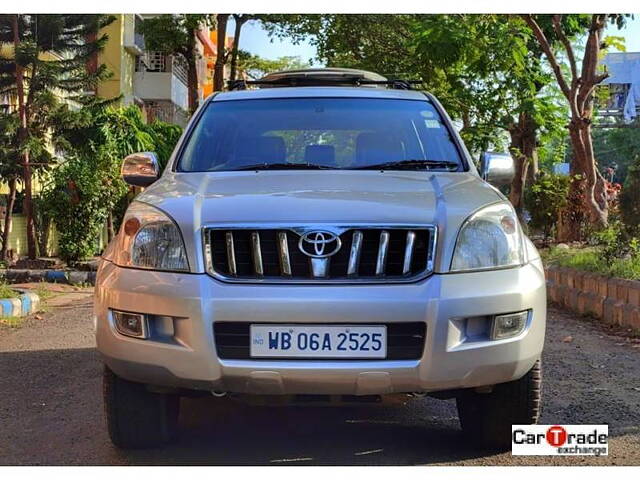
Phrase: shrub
(592,260)
(544,200)
(87,187)
(6,291)
(79,198)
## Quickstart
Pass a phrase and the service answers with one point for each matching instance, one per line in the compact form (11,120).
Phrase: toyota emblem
(319,244)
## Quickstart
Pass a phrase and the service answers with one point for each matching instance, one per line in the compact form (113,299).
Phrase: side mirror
(140,169)
(497,168)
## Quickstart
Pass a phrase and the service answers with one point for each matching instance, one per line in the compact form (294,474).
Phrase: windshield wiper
(284,166)
(411,164)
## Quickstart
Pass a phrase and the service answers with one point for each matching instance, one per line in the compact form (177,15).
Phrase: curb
(611,300)
(23,305)
(54,276)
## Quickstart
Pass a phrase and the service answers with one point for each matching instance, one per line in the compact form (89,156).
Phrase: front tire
(137,418)
(487,417)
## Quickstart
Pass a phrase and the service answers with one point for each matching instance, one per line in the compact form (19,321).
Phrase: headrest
(320,155)
(374,148)
(261,149)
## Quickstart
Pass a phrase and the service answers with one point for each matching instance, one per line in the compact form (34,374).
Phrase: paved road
(51,409)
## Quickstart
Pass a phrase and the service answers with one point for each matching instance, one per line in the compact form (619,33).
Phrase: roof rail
(323,81)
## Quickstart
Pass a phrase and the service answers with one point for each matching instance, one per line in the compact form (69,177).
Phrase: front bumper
(190,304)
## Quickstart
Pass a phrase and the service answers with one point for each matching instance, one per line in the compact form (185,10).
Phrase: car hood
(320,197)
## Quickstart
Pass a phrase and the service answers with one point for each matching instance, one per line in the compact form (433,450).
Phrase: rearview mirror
(497,168)
(140,169)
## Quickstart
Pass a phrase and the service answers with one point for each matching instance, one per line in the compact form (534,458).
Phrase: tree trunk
(521,166)
(240,21)
(192,80)
(523,148)
(8,218)
(218,73)
(23,133)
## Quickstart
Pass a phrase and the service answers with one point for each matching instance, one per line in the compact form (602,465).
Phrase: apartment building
(155,81)
(622,98)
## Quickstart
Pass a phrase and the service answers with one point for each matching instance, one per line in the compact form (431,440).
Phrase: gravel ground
(51,408)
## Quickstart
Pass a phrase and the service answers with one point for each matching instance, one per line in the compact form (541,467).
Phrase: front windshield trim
(197,118)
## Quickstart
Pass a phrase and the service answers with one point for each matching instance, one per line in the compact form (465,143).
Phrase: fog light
(509,325)
(131,324)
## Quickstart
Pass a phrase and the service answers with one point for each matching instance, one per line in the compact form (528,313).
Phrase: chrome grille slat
(231,254)
(383,248)
(354,255)
(256,252)
(283,254)
(408,252)
(273,254)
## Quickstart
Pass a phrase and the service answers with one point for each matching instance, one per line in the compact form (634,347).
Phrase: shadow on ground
(51,413)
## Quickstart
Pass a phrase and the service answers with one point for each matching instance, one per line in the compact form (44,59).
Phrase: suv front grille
(405,341)
(370,254)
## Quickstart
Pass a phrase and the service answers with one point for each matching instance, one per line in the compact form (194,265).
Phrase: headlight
(490,238)
(149,239)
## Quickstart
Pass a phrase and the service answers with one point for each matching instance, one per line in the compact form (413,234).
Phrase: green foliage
(630,199)
(82,192)
(55,50)
(8,146)
(87,186)
(618,149)
(615,242)
(485,69)
(165,136)
(7,292)
(119,130)
(173,34)
(544,200)
(256,67)
(592,260)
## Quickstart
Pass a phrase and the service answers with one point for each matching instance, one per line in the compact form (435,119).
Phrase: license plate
(319,341)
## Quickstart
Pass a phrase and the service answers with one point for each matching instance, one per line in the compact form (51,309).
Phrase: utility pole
(22,135)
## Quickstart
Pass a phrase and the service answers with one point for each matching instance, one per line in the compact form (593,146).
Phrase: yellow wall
(118,61)
(18,237)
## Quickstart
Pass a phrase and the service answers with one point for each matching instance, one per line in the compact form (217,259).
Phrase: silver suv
(323,236)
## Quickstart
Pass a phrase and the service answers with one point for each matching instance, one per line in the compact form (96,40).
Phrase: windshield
(331,133)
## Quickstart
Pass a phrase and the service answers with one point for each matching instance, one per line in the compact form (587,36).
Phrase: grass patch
(12,322)
(590,259)
(7,292)
(42,292)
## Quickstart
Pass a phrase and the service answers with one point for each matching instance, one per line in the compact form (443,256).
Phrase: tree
(481,67)
(9,172)
(86,190)
(175,34)
(49,58)
(221,56)
(588,188)
(256,67)
(239,20)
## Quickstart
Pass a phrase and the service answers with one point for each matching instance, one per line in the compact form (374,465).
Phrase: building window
(152,62)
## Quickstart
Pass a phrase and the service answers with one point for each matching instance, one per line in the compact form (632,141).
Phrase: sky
(255,40)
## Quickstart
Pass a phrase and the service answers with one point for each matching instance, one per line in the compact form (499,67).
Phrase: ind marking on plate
(319,341)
